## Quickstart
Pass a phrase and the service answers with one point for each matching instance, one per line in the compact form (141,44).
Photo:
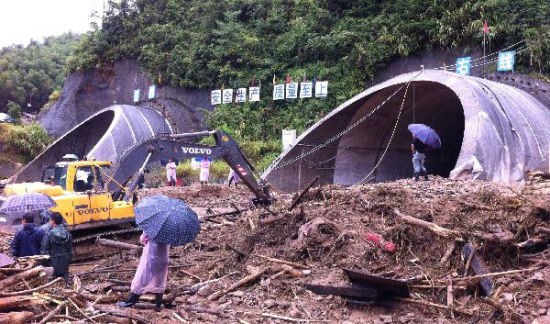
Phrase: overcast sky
(23,20)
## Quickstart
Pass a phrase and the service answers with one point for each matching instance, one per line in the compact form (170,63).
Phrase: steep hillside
(209,44)
(29,75)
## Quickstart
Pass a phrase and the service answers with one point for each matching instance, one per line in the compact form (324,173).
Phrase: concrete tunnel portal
(359,150)
(488,131)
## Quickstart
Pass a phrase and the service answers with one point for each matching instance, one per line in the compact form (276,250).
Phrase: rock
(545,303)
(403,319)
(508,297)
(204,291)
(542,320)
(269,303)
(386,318)
(541,311)
(293,311)
(237,293)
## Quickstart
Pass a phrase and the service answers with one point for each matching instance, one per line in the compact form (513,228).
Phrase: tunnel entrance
(361,149)
(79,141)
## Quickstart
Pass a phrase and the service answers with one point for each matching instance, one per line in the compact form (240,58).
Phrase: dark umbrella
(167,220)
(425,134)
(26,203)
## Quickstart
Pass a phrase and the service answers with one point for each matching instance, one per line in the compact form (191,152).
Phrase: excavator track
(94,237)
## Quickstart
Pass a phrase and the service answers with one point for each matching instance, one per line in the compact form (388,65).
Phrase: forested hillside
(30,74)
(209,44)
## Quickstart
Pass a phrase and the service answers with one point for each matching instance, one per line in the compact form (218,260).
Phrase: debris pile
(400,252)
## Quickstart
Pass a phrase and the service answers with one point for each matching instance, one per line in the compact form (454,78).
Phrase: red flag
(485,27)
(288,80)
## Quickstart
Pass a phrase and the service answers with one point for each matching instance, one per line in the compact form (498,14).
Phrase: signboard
(240,95)
(136,95)
(321,89)
(216,97)
(306,90)
(253,94)
(506,61)
(292,90)
(151,94)
(463,65)
(227,96)
(279,92)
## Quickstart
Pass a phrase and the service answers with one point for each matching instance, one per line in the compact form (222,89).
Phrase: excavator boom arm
(183,146)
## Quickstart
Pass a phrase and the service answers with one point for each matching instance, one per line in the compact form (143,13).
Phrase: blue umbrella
(28,202)
(167,220)
(425,134)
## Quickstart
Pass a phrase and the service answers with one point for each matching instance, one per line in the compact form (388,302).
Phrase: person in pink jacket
(151,274)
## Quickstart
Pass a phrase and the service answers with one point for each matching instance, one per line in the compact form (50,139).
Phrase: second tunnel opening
(366,146)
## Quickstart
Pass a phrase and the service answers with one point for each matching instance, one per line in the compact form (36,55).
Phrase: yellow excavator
(92,194)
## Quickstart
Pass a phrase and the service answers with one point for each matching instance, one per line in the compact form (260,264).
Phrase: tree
(14,110)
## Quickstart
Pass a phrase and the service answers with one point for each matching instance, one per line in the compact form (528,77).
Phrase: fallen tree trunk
(441,231)
(238,284)
(19,302)
(16,317)
(12,280)
(122,313)
(119,245)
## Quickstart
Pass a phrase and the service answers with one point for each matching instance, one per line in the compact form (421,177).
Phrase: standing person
(58,244)
(418,148)
(232,178)
(205,171)
(151,274)
(27,241)
(171,172)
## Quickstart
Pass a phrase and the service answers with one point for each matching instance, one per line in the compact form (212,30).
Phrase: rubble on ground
(254,265)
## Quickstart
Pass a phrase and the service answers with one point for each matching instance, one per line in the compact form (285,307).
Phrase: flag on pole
(253,80)
(485,27)
(288,79)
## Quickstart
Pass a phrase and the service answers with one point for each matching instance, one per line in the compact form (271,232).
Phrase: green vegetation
(30,74)
(14,110)
(210,43)
(25,141)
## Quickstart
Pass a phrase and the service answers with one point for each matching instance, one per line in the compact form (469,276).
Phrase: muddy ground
(333,229)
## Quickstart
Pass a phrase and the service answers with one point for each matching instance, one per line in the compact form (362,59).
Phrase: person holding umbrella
(27,241)
(422,137)
(165,222)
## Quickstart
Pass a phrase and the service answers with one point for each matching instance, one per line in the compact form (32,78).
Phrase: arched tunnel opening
(366,146)
(79,141)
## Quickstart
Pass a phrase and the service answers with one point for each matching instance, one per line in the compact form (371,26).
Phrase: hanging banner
(216,97)
(227,96)
(136,95)
(306,90)
(240,95)
(292,90)
(253,94)
(506,61)
(321,89)
(152,89)
(463,65)
(279,92)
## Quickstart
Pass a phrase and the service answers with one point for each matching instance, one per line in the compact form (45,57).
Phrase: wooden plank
(384,285)
(355,291)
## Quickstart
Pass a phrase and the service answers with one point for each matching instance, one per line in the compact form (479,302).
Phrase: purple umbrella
(425,134)
(28,202)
